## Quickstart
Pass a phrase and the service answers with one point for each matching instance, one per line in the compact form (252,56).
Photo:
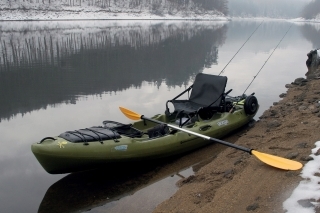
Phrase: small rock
(302,145)
(315,111)
(299,98)
(317,174)
(292,155)
(228,173)
(299,81)
(275,103)
(197,202)
(306,158)
(311,107)
(273,124)
(289,86)
(302,108)
(252,207)
(282,95)
(306,203)
(190,179)
(317,152)
(291,174)
(273,112)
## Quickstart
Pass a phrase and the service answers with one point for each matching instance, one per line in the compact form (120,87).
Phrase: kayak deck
(148,141)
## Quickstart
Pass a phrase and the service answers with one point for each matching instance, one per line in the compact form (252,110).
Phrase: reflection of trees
(311,34)
(265,38)
(311,10)
(42,70)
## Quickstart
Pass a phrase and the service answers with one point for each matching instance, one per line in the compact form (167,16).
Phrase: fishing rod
(240,48)
(254,77)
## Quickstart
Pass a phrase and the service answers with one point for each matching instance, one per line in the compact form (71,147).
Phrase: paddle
(275,161)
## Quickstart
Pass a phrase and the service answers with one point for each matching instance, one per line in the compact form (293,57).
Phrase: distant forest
(267,8)
(311,10)
(151,5)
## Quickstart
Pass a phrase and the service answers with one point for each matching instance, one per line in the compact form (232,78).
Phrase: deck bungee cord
(240,48)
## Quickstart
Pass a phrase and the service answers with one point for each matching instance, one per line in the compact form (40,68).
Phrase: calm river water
(58,76)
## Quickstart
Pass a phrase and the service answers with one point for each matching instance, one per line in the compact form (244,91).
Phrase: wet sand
(235,181)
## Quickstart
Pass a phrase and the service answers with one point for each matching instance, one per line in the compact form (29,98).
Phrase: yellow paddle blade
(130,114)
(278,162)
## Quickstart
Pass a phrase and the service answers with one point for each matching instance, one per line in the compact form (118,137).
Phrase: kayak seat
(207,96)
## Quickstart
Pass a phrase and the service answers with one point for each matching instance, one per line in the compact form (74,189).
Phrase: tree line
(153,5)
(266,8)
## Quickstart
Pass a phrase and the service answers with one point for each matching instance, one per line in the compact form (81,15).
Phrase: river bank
(238,182)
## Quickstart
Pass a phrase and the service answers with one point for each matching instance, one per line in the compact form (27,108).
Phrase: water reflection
(311,32)
(49,66)
(84,191)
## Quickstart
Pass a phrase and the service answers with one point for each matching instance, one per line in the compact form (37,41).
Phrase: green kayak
(143,140)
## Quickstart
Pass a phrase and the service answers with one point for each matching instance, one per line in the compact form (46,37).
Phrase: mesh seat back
(207,89)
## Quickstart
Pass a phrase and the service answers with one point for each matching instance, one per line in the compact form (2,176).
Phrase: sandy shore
(238,182)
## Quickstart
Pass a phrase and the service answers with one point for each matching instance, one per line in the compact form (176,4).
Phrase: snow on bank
(308,190)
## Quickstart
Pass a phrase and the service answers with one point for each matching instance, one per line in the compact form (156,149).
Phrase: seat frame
(207,94)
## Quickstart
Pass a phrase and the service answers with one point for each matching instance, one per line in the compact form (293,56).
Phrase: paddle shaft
(275,161)
(200,135)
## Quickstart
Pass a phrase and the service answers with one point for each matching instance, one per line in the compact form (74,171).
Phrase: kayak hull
(58,155)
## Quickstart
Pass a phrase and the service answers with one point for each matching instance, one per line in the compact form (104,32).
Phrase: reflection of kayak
(144,140)
(81,191)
